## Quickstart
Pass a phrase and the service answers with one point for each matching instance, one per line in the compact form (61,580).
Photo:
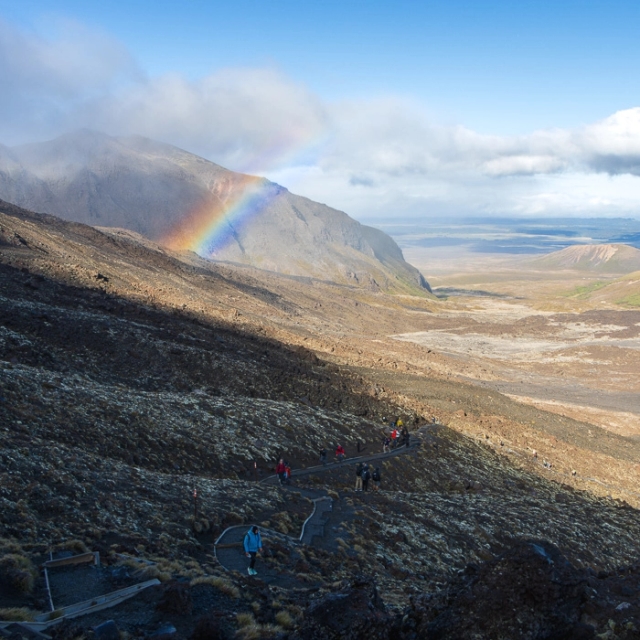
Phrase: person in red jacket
(340,454)
(281,470)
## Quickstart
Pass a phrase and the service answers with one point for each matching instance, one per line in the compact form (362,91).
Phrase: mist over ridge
(161,191)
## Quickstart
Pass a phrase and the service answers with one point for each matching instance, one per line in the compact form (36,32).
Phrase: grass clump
(75,546)
(284,619)
(10,546)
(153,571)
(17,614)
(245,620)
(257,631)
(219,583)
(17,573)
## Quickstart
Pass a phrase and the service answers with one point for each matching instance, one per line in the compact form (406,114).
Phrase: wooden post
(195,504)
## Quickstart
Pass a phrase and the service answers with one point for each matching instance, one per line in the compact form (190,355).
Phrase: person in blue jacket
(252,544)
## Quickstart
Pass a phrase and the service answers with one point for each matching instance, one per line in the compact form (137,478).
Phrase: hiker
(394,438)
(281,470)
(287,473)
(386,444)
(252,544)
(359,476)
(323,456)
(405,436)
(375,476)
(340,454)
(366,476)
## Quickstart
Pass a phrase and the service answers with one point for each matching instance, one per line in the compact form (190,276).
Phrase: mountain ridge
(606,258)
(154,189)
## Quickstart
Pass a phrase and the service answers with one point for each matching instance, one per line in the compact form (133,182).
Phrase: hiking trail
(229,550)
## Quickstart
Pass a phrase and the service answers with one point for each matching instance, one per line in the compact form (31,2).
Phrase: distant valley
(132,374)
(509,236)
(135,370)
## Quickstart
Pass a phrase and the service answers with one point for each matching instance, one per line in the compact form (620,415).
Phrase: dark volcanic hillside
(115,403)
(164,192)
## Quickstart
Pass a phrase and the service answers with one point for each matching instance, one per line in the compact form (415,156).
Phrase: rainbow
(211,225)
(236,201)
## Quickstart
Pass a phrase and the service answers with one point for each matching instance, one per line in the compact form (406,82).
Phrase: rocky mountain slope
(188,203)
(130,376)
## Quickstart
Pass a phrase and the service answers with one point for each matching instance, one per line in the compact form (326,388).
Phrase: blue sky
(378,108)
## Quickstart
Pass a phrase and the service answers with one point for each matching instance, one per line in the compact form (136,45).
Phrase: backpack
(376,475)
(359,470)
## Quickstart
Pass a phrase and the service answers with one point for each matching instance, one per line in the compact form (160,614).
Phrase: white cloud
(249,119)
(393,138)
(44,81)
(373,157)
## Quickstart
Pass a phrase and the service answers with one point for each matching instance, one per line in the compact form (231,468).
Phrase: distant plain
(559,338)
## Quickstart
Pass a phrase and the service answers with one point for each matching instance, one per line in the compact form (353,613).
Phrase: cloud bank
(380,156)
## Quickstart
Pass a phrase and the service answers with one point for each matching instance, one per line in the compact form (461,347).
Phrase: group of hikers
(398,436)
(364,474)
(283,471)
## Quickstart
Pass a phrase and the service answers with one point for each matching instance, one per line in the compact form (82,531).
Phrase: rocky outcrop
(529,592)
(356,611)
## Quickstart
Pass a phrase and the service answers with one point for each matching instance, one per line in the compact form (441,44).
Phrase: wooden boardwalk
(229,550)
(414,443)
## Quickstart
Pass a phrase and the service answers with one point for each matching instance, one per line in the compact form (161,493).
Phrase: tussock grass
(306,577)
(10,546)
(245,620)
(258,631)
(284,619)
(18,614)
(17,573)
(75,546)
(153,571)
(219,583)
(233,518)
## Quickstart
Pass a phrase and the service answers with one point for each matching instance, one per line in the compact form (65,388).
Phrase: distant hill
(598,258)
(188,203)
